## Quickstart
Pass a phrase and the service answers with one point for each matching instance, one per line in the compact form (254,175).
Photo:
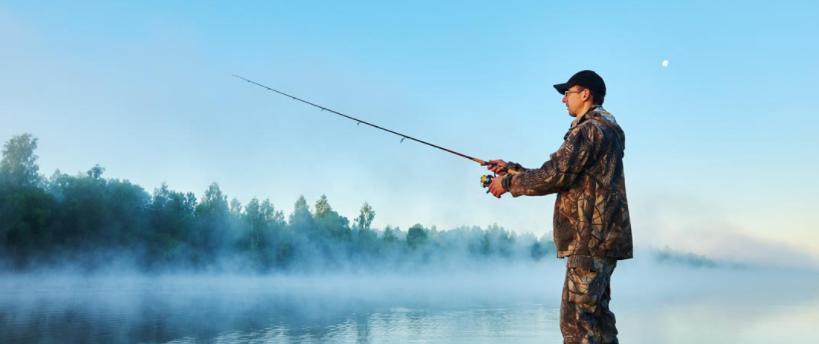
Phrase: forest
(89,221)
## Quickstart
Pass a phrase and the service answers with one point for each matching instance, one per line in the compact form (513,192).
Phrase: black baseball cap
(586,78)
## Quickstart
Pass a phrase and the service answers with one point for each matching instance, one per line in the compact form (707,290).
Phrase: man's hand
(497,166)
(496,187)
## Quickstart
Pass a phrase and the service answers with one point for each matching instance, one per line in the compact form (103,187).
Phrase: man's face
(574,98)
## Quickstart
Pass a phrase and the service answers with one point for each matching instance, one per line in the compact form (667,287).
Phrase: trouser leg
(608,321)
(584,310)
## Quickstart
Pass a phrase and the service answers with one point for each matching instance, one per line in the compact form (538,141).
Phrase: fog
(655,301)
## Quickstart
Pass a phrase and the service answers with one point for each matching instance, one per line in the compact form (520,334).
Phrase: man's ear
(586,94)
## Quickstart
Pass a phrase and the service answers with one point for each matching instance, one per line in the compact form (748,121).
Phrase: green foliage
(365,217)
(27,214)
(498,241)
(323,208)
(365,239)
(262,239)
(169,232)
(95,212)
(416,236)
(329,222)
(212,226)
(390,234)
(95,172)
(300,218)
(214,203)
(19,164)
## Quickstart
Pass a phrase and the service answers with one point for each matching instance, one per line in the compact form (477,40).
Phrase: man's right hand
(496,166)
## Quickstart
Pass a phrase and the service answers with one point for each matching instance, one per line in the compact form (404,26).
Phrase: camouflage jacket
(591,212)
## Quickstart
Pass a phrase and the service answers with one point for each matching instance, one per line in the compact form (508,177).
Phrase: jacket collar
(594,111)
(582,118)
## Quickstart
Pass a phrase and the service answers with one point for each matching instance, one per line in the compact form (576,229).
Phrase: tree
(213,216)
(26,217)
(323,208)
(19,164)
(262,225)
(416,236)
(365,240)
(235,207)
(541,247)
(214,200)
(389,234)
(171,220)
(95,172)
(330,222)
(301,213)
(365,217)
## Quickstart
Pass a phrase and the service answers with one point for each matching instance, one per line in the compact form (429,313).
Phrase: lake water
(653,304)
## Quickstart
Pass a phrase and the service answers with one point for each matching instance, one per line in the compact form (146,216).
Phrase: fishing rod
(359,121)
(485,179)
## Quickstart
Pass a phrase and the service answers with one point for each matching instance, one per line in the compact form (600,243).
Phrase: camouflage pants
(584,309)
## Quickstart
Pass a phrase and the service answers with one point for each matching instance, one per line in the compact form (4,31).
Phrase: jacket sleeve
(563,167)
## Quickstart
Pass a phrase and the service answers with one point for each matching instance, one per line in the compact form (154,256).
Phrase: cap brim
(562,88)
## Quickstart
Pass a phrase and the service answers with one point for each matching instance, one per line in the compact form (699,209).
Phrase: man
(592,229)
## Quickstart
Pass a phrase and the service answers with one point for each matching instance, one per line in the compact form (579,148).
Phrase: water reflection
(282,309)
(514,306)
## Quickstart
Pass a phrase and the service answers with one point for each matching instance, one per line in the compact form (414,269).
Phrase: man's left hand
(496,187)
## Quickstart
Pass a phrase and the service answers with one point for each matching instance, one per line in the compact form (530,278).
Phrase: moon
(664,63)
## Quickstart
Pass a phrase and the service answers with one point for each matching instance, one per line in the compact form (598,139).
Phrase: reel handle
(486,180)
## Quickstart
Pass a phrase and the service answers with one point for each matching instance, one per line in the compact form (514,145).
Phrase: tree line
(91,221)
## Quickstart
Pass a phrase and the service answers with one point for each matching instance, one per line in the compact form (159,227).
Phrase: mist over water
(654,303)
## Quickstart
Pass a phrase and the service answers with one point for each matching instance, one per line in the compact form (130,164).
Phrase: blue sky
(721,150)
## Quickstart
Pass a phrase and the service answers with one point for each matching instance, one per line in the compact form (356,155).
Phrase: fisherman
(592,229)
